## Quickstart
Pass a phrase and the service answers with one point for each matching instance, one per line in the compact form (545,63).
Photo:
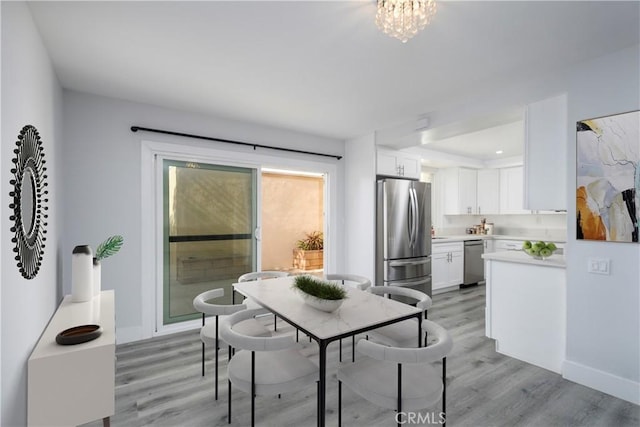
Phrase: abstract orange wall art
(608,178)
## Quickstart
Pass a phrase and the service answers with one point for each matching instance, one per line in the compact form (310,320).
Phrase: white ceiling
(318,67)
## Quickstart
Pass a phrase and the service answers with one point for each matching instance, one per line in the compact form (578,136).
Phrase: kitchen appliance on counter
(473,262)
(403,238)
(488,228)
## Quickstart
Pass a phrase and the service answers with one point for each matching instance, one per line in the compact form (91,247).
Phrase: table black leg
(322,386)
(420,331)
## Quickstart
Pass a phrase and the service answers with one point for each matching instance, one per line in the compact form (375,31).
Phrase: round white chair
(405,333)
(260,275)
(209,334)
(399,378)
(359,282)
(264,365)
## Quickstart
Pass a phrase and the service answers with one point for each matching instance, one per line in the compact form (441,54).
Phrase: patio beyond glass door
(210,215)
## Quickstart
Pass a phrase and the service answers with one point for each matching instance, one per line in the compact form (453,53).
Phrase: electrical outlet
(598,265)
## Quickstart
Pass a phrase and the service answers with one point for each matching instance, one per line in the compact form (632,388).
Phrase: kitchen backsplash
(551,226)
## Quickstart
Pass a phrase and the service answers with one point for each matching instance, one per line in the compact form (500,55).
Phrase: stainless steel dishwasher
(473,262)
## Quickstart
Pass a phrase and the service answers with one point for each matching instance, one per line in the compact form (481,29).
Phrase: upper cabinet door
(459,187)
(545,156)
(511,191)
(488,191)
(467,191)
(398,164)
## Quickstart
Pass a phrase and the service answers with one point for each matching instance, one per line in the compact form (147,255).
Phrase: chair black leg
(353,348)
(203,347)
(444,390)
(340,358)
(399,392)
(229,403)
(339,403)
(275,323)
(217,351)
(203,359)
(253,388)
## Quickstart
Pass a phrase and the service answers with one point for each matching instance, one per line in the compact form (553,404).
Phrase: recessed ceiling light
(499,152)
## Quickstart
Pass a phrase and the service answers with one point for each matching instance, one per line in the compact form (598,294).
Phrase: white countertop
(463,237)
(460,238)
(522,258)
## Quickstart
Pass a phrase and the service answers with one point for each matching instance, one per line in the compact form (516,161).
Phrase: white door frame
(151,211)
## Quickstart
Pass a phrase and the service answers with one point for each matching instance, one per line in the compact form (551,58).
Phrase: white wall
(30,95)
(603,319)
(360,206)
(103,181)
(603,323)
(603,312)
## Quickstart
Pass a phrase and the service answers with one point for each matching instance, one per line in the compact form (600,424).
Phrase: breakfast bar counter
(526,307)
(520,257)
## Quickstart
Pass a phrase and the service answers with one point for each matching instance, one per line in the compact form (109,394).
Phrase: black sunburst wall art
(29,202)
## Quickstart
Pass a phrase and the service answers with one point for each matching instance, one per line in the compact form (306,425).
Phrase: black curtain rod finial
(229,141)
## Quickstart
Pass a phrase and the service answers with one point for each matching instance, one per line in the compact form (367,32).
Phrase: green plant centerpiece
(320,294)
(309,254)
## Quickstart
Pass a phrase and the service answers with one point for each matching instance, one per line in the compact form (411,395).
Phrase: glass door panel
(210,216)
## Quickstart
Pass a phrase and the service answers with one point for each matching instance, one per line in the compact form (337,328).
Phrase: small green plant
(319,288)
(313,242)
(109,247)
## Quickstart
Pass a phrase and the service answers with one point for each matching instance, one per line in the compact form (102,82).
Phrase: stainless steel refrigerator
(403,235)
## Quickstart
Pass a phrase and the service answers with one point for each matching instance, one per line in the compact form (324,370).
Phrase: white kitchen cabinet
(507,245)
(500,245)
(447,264)
(526,308)
(511,191)
(545,154)
(459,186)
(488,191)
(489,246)
(398,164)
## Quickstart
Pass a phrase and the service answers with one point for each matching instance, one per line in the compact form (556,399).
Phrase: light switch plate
(599,265)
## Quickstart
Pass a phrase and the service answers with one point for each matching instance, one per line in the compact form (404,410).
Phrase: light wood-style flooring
(159,383)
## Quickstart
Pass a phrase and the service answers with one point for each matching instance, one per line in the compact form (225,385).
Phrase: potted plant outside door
(309,253)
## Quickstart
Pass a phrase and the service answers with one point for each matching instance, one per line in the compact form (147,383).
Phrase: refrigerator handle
(416,218)
(411,215)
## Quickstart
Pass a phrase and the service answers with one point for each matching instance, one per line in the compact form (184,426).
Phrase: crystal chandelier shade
(403,19)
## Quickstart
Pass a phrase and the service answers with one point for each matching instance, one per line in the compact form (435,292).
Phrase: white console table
(74,384)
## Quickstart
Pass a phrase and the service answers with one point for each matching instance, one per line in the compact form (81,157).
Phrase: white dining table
(361,311)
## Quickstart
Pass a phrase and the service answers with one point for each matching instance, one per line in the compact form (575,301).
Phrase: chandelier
(403,19)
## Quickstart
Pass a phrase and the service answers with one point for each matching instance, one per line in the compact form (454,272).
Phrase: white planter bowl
(326,305)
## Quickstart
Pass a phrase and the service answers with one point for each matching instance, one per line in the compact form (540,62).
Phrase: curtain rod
(228,141)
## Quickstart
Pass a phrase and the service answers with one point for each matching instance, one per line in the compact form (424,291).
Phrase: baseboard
(605,382)
(130,334)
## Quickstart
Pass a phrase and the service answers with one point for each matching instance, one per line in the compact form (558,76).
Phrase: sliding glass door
(210,218)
